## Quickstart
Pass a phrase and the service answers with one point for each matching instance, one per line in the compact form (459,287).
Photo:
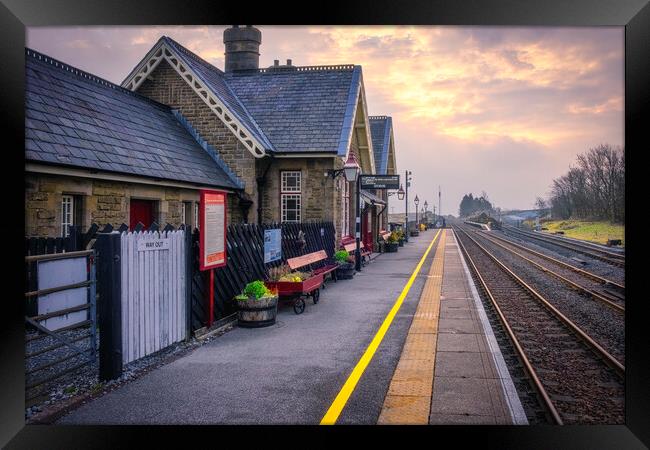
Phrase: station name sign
(379,181)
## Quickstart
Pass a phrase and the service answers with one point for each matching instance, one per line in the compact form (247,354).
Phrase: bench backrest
(352,246)
(309,258)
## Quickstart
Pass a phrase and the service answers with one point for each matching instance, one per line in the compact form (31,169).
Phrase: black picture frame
(15,15)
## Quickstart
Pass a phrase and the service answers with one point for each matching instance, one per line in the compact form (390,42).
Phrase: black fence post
(110,305)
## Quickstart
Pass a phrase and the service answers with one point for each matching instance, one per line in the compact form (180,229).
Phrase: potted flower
(257,306)
(345,270)
(392,243)
(400,235)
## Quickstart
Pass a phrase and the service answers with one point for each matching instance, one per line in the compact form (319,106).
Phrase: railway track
(577,380)
(606,291)
(612,258)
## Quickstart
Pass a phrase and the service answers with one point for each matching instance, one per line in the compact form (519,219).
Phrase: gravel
(596,266)
(603,324)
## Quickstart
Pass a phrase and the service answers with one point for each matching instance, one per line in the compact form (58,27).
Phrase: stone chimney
(242,47)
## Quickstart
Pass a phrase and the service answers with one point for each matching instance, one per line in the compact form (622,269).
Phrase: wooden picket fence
(245,250)
(154,296)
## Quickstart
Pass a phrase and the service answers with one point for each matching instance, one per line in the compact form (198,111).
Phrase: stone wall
(165,86)
(102,202)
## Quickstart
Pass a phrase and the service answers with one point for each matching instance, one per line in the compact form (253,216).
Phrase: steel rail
(611,258)
(604,354)
(571,283)
(520,351)
(593,276)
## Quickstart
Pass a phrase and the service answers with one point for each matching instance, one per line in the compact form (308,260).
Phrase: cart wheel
(299,306)
(315,296)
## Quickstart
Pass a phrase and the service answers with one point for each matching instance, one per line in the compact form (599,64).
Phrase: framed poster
(212,240)
(272,245)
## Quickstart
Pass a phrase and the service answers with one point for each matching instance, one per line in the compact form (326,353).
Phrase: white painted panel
(61,272)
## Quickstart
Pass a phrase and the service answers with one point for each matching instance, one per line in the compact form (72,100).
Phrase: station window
(70,212)
(290,195)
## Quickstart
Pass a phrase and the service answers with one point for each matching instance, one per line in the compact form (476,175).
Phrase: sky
(497,109)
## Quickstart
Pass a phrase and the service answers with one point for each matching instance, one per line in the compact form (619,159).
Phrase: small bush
(341,256)
(255,289)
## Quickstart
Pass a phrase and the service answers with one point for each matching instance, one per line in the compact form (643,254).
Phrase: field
(598,232)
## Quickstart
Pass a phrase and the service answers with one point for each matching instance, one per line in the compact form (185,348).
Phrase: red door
(366,229)
(140,211)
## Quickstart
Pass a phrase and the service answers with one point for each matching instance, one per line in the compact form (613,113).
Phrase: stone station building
(269,136)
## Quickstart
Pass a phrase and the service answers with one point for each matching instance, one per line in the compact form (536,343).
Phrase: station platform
(451,370)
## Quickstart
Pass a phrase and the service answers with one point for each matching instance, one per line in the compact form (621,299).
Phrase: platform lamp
(400,193)
(416,200)
(351,171)
(424,216)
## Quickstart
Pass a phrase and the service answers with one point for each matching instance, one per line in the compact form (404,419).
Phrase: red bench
(349,244)
(384,234)
(329,268)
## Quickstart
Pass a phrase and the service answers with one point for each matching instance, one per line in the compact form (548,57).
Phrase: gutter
(261,182)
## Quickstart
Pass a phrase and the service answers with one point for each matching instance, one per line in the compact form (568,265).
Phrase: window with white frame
(183,212)
(196,215)
(290,195)
(67,214)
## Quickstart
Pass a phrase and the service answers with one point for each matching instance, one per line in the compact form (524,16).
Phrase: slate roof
(380,127)
(74,118)
(302,109)
(213,78)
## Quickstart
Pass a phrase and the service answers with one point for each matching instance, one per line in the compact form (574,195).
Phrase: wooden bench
(329,268)
(349,244)
(384,234)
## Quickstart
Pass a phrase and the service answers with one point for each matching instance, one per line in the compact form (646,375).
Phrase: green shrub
(255,289)
(341,256)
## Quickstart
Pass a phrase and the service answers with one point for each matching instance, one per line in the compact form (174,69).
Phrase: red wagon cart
(297,291)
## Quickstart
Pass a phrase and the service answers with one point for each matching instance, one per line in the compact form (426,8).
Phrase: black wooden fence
(245,252)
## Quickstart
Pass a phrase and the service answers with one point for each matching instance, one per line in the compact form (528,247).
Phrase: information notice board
(212,242)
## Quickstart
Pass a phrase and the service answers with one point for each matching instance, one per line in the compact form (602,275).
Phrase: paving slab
(471,383)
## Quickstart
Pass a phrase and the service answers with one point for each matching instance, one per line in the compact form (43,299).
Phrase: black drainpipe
(261,182)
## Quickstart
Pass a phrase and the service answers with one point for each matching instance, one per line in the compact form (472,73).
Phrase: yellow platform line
(350,384)
(408,400)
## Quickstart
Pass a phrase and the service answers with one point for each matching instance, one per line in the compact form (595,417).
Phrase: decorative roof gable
(208,83)
(381,128)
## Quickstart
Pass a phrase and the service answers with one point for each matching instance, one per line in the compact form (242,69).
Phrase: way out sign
(155,244)
(212,217)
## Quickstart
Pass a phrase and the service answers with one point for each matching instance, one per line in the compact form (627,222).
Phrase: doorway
(141,211)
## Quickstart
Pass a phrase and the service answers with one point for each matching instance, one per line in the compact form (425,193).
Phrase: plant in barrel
(392,243)
(345,270)
(257,305)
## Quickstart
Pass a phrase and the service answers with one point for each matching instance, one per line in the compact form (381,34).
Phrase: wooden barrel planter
(391,247)
(401,243)
(415,233)
(254,313)
(345,271)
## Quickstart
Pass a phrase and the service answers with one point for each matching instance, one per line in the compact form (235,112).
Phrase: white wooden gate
(154,307)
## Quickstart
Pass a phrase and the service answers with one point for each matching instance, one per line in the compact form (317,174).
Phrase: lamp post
(424,216)
(406,196)
(416,200)
(400,195)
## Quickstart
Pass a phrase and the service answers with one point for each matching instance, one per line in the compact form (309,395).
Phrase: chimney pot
(288,62)
(242,47)
(276,62)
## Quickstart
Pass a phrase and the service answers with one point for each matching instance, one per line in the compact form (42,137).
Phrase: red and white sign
(212,243)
